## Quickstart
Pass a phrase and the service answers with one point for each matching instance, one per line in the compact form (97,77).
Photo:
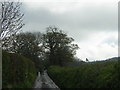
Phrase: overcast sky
(92,23)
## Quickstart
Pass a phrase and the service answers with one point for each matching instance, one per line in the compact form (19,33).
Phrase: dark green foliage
(17,71)
(59,46)
(27,44)
(104,74)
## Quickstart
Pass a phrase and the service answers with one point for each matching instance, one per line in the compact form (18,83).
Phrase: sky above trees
(92,23)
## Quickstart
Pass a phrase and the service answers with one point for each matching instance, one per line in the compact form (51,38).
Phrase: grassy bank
(105,74)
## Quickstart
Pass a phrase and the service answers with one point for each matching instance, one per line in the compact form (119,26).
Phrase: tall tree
(29,45)
(11,19)
(58,46)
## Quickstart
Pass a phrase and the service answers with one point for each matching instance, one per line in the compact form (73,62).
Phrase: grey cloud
(111,41)
(79,23)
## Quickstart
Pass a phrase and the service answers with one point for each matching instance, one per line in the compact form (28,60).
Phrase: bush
(17,71)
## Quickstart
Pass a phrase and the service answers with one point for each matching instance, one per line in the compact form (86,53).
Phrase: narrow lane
(38,83)
(44,81)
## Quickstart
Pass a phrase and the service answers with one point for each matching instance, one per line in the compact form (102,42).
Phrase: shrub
(17,71)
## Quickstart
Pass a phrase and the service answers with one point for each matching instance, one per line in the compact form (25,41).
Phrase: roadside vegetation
(18,71)
(102,74)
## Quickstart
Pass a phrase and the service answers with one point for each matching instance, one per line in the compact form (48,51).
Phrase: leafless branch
(11,19)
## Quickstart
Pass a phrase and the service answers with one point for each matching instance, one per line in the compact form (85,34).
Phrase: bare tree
(11,19)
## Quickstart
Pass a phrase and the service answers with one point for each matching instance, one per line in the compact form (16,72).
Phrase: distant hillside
(114,59)
(111,59)
(17,71)
(80,62)
(100,74)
